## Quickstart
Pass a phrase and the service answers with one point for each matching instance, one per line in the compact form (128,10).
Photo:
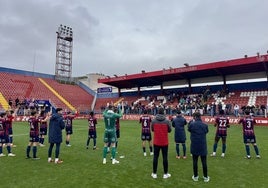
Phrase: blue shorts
(69,130)
(249,139)
(10,131)
(43,131)
(34,139)
(92,134)
(146,136)
(221,135)
(4,139)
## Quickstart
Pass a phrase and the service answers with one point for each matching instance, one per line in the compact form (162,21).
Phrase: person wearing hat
(56,124)
(179,123)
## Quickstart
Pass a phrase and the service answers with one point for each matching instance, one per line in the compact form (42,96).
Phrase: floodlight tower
(64,48)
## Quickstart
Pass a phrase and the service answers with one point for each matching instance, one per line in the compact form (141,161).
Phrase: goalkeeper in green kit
(110,132)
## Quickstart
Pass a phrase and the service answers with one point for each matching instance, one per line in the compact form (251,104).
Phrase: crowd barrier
(261,121)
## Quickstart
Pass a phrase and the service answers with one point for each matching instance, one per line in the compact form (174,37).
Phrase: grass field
(84,168)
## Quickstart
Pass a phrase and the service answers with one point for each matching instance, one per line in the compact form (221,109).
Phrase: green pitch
(83,167)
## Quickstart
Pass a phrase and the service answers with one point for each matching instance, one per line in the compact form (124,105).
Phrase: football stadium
(32,103)
(206,88)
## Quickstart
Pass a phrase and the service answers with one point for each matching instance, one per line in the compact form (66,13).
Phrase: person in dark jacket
(56,124)
(198,131)
(179,135)
(160,127)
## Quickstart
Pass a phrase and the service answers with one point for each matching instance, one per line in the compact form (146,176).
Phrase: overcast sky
(127,36)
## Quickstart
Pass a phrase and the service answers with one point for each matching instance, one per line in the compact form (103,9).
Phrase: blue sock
(8,149)
(215,147)
(256,149)
(94,142)
(223,148)
(151,149)
(11,139)
(34,151)
(143,149)
(247,150)
(28,149)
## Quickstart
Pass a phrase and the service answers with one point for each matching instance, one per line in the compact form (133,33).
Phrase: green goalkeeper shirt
(110,118)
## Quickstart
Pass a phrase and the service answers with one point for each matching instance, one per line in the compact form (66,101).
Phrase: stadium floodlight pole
(64,48)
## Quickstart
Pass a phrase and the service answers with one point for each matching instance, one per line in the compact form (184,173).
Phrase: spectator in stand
(236,110)
(263,108)
(228,108)
(160,127)
(10,102)
(213,109)
(17,102)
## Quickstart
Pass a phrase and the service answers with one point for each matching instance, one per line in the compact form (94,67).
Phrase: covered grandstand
(149,89)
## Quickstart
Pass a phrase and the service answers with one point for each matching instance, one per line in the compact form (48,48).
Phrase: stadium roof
(255,64)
